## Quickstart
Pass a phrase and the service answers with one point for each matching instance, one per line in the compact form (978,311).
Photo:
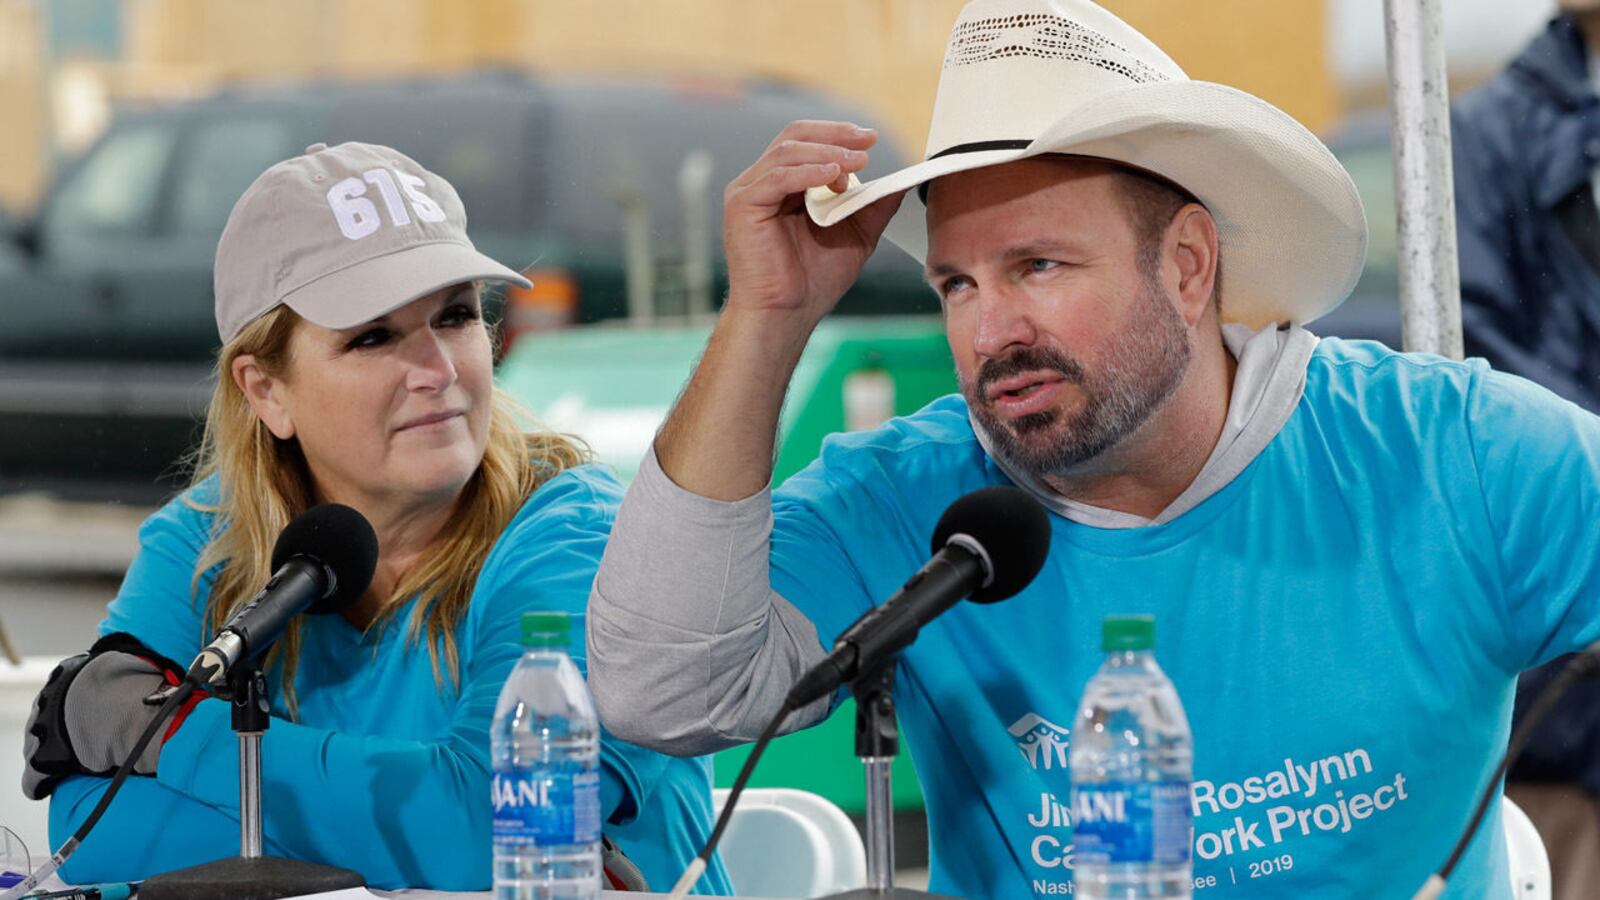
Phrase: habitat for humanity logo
(1040,739)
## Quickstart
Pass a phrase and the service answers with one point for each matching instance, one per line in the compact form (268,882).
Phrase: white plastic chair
(28,818)
(783,842)
(1530,864)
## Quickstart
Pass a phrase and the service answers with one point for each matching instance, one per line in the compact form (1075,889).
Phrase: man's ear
(1192,238)
(265,395)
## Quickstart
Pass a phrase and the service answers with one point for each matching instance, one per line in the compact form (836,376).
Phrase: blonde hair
(263,482)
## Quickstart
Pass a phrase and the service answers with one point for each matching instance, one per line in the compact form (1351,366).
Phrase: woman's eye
(372,337)
(458,314)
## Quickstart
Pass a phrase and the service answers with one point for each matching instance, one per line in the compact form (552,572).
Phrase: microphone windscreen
(339,538)
(1010,525)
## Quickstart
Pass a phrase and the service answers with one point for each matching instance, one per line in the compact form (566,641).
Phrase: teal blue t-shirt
(387,770)
(1344,623)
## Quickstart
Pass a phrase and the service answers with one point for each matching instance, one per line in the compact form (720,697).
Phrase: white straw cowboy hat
(1024,78)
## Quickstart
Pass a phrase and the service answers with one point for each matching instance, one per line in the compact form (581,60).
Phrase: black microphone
(989,544)
(322,561)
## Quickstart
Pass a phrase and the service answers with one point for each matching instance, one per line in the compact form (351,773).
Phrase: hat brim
(1290,223)
(378,286)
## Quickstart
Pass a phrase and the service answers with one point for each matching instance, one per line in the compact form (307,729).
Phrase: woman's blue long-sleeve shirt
(387,770)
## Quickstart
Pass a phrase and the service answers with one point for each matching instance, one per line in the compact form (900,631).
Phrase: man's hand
(92,710)
(784,274)
(778,259)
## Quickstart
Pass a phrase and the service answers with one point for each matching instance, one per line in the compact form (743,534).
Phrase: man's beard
(1143,369)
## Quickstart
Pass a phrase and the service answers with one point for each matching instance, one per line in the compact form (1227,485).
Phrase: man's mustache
(1028,359)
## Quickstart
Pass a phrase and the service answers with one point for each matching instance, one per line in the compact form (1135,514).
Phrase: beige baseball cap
(343,235)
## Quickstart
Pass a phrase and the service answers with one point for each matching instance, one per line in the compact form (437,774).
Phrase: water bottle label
(1132,822)
(546,806)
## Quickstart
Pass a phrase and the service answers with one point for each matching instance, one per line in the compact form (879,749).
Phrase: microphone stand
(250,875)
(877,743)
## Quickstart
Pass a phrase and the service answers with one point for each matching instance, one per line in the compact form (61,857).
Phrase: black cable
(698,865)
(745,771)
(1585,664)
(176,699)
(173,702)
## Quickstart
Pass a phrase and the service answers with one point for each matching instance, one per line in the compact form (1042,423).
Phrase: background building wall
(883,55)
(1317,59)
(22,147)
(1275,49)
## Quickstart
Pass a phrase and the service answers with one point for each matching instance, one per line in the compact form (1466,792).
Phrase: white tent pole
(1419,110)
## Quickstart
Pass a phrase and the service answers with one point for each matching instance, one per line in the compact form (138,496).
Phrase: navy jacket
(1525,145)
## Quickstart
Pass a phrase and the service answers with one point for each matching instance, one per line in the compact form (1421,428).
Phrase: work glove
(92,710)
(620,871)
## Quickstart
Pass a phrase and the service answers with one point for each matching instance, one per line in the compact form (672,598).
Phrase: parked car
(106,329)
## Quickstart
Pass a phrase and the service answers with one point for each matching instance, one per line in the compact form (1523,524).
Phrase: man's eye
(952,285)
(1042,265)
(372,337)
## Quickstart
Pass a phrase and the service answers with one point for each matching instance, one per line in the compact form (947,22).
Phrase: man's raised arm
(690,649)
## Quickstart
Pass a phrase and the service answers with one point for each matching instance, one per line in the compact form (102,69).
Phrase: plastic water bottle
(1132,761)
(545,747)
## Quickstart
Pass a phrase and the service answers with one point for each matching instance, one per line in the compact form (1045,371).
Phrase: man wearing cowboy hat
(1350,552)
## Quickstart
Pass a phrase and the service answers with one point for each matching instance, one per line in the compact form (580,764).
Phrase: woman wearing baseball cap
(356,368)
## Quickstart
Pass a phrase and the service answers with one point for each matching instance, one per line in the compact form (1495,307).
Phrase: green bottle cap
(1125,633)
(546,629)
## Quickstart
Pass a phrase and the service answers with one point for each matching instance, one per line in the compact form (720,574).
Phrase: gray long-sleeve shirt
(690,648)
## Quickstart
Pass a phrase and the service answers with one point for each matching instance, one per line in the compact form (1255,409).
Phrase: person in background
(356,368)
(1527,170)
(1350,552)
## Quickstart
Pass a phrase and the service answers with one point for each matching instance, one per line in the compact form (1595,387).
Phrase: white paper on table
(416,894)
(370,894)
